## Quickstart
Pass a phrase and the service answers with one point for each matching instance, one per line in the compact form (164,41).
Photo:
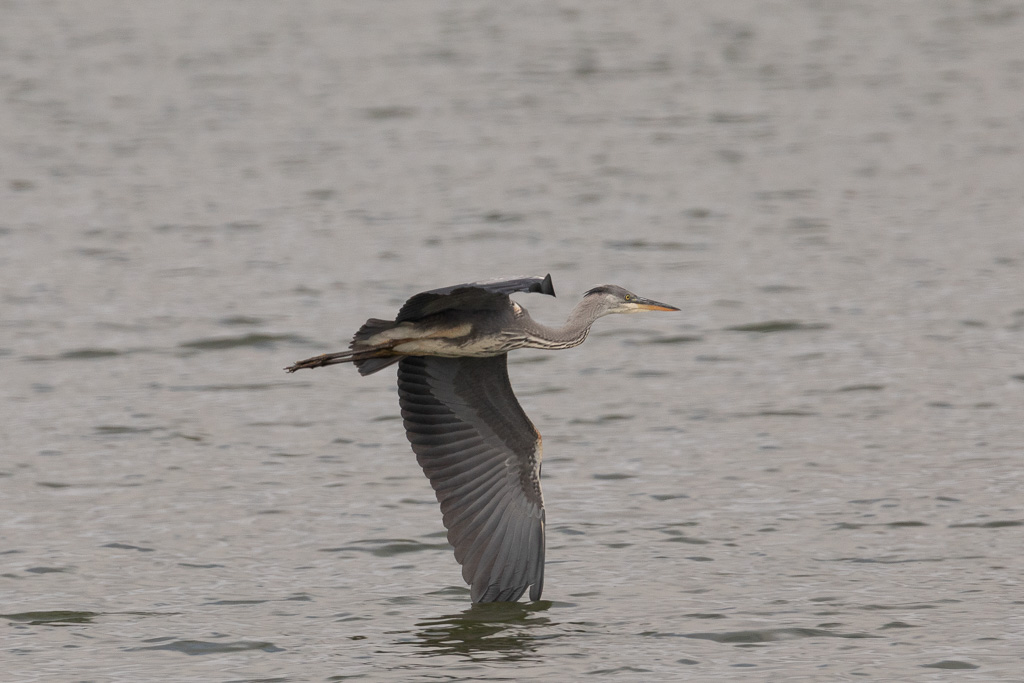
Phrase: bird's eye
(628,297)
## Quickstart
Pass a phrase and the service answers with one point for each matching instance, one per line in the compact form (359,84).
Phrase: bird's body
(470,435)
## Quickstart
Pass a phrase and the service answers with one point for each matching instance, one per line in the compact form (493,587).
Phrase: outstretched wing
(492,294)
(482,456)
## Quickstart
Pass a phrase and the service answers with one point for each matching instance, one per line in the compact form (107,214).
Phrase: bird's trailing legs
(357,357)
(322,360)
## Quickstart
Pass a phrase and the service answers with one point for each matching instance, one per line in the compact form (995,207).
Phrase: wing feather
(483,562)
(488,295)
(515,571)
(482,456)
(462,480)
(471,523)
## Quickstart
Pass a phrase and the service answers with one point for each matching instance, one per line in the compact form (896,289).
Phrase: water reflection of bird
(475,444)
(505,631)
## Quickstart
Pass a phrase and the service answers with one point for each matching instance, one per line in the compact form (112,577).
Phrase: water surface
(811,473)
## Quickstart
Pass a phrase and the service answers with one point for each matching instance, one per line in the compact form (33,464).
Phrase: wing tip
(545,286)
(499,593)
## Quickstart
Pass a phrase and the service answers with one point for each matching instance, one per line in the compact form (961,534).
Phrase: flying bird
(477,447)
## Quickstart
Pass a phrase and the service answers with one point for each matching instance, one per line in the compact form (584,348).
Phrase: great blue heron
(470,435)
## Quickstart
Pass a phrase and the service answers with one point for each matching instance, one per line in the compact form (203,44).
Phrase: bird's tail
(368,358)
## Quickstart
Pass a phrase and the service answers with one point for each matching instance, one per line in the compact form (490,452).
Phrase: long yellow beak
(650,305)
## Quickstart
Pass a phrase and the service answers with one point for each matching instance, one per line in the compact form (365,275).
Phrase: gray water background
(811,473)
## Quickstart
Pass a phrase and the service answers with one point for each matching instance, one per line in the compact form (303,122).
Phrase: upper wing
(491,294)
(482,456)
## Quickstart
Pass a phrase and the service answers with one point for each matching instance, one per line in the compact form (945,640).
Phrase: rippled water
(811,473)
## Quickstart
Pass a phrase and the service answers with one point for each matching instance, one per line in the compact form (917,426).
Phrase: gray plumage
(477,447)
(482,456)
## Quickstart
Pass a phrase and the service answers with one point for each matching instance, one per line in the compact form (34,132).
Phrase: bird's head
(615,299)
